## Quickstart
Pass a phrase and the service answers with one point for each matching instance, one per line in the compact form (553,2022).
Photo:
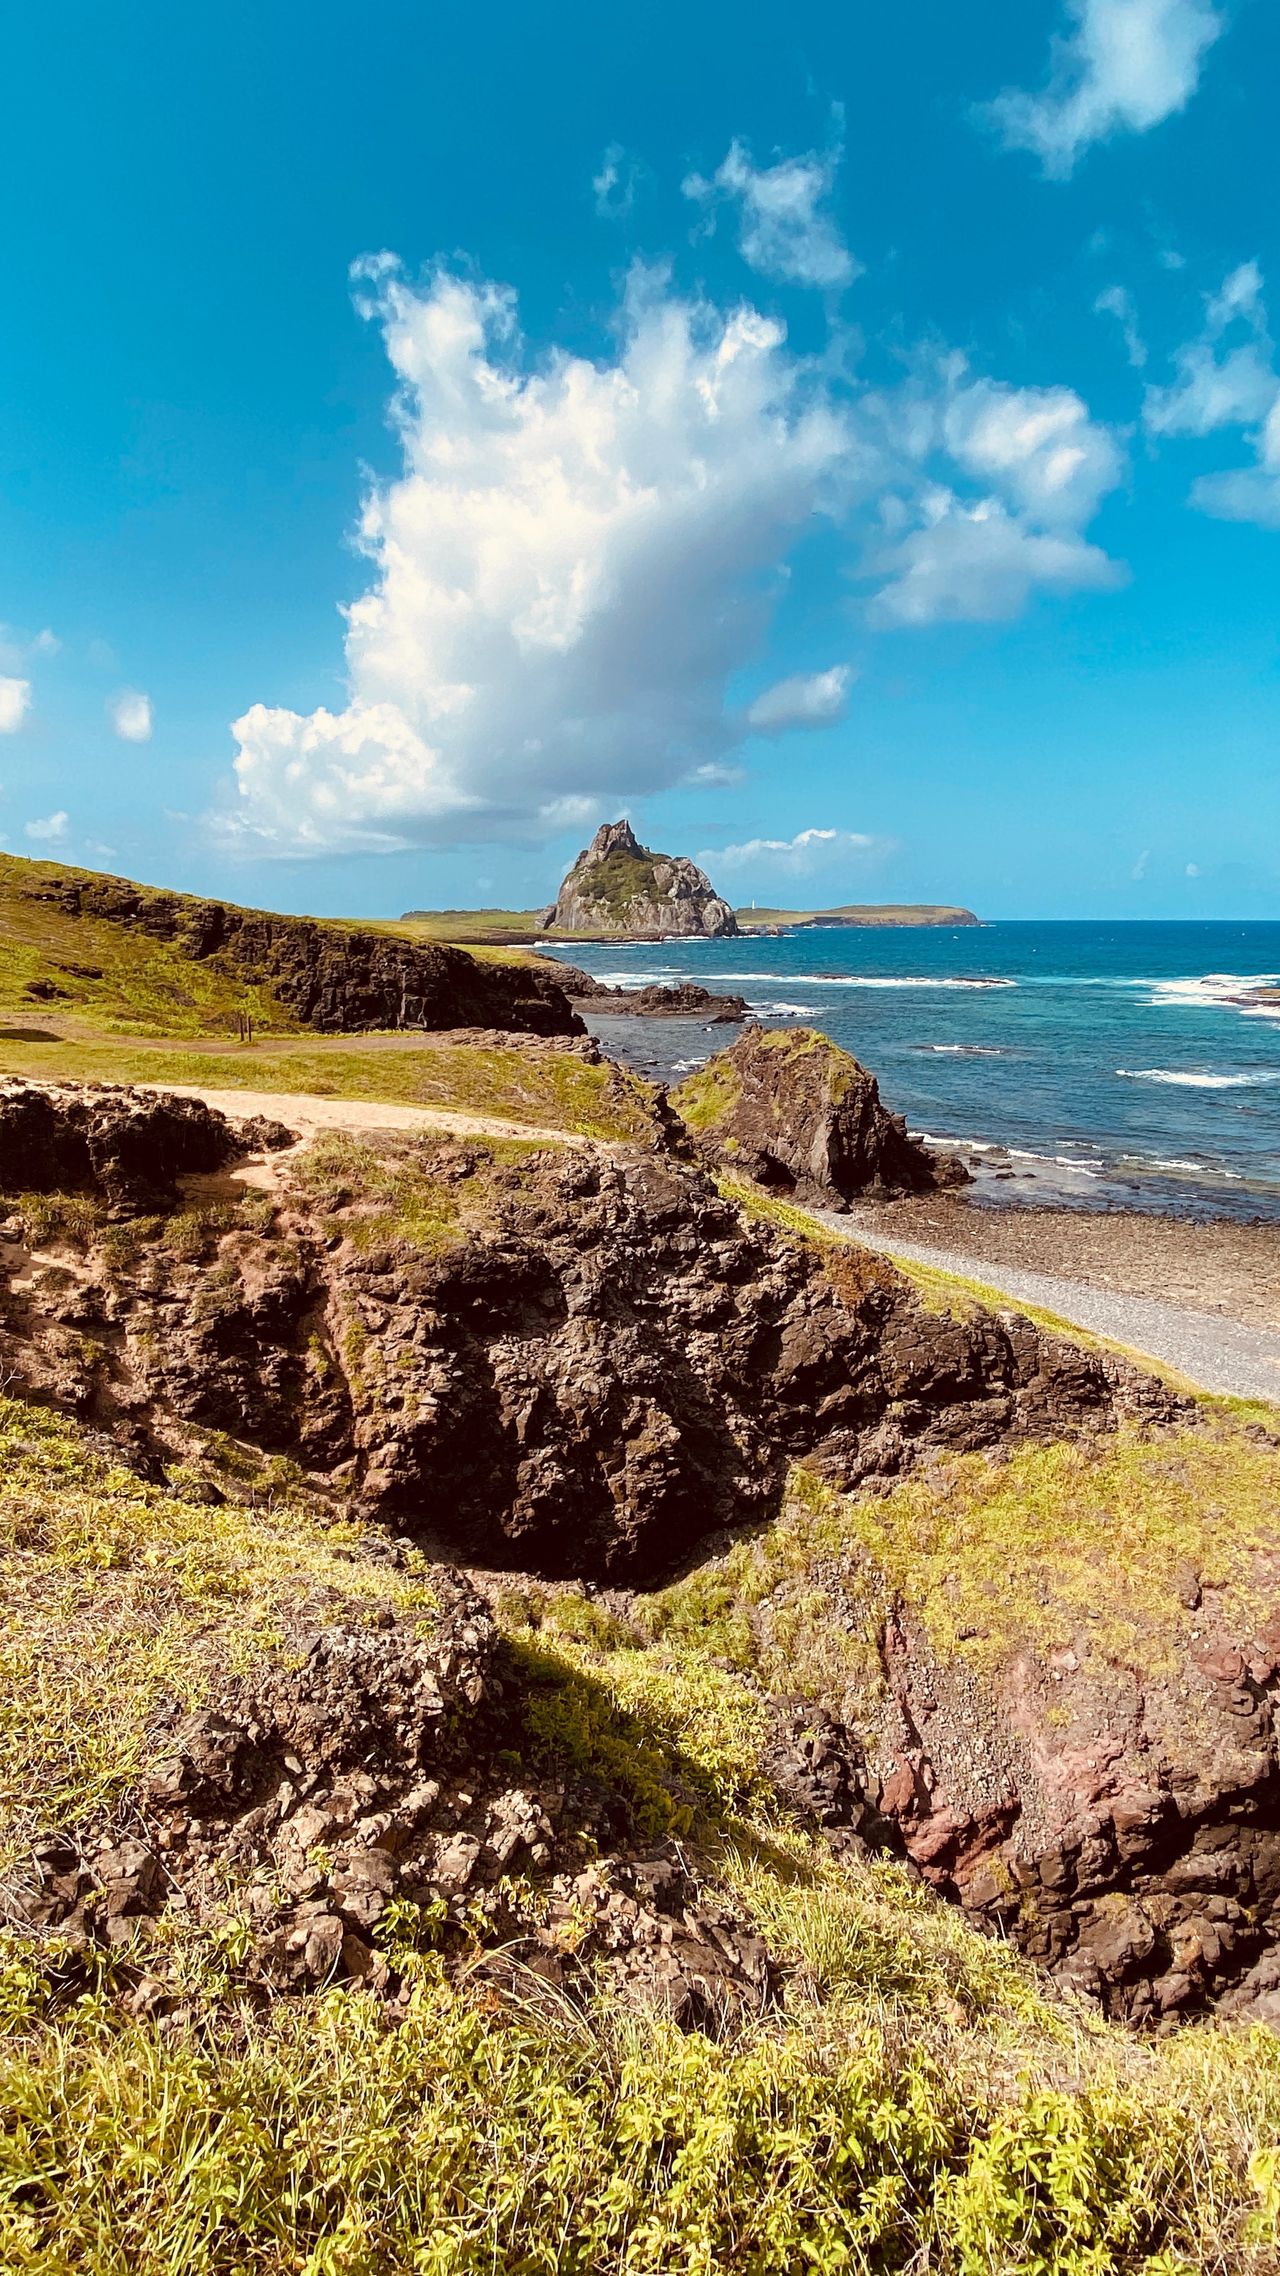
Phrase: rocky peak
(616,885)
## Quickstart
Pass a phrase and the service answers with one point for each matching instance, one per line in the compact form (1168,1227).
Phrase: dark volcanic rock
(129,1147)
(684,1001)
(589,1364)
(378,1771)
(787,1107)
(336,978)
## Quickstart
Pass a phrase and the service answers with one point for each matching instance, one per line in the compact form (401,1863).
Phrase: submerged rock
(790,1109)
(619,886)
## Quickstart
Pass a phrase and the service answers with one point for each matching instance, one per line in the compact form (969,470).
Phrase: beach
(1219,1266)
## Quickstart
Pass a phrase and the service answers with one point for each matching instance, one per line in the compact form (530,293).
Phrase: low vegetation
(62,972)
(917,2103)
(551,1088)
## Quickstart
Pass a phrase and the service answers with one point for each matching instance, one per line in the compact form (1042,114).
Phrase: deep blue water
(1110,1061)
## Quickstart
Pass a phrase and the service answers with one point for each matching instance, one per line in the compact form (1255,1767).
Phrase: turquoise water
(1103,1064)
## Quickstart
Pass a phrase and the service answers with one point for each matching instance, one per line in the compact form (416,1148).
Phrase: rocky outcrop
(129,1148)
(567,1362)
(789,1109)
(684,1000)
(618,886)
(336,978)
(1123,1830)
(374,1781)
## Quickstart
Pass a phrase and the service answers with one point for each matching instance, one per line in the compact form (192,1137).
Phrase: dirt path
(306,1113)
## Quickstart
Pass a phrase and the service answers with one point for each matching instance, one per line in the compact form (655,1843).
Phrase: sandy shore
(1227,1269)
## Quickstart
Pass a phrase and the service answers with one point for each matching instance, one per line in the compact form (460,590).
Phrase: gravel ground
(1218,1354)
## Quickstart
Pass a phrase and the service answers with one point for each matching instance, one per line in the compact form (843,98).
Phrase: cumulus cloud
(980,562)
(579,555)
(1038,467)
(807,699)
(48,830)
(15,703)
(1223,385)
(796,857)
(783,230)
(1124,66)
(131,716)
(572,563)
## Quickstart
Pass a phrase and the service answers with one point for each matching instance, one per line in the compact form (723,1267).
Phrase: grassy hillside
(85,998)
(919,2102)
(82,974)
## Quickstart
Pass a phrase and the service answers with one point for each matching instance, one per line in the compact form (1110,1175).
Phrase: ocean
(1095,1065)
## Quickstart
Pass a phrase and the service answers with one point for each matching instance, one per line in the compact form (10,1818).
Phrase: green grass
(920,2102)
(557,1090)
(1067,1547)
(118,1594)
(383,1192)
(109,978)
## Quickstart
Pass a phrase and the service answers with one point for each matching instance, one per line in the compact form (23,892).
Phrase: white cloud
(1124,67)
(717,774)
(1039,467)
(1212,391)
(615,184)
(982,563)
(807,699)
(15,703)
(782,230)
(131,716)
(1036,444)
(580,555)
(1228,386)
(1118,302)
(797,857)
(574,560)
(1193,869)
(52,827)
(1247,493)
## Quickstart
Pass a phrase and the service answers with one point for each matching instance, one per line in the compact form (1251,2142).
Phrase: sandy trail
(306,1113)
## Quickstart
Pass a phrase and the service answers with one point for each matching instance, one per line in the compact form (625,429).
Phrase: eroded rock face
(619,886)
(790,1109)
(330,977)
(377,1773)
(1125,1831)
(128,1147)
(572,1363)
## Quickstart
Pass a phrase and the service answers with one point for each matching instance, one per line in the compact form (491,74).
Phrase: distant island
(856,913)
(618,889)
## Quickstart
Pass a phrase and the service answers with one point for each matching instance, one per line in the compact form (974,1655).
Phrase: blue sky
(844,439)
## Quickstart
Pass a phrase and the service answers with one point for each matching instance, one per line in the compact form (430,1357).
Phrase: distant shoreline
(519,928)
